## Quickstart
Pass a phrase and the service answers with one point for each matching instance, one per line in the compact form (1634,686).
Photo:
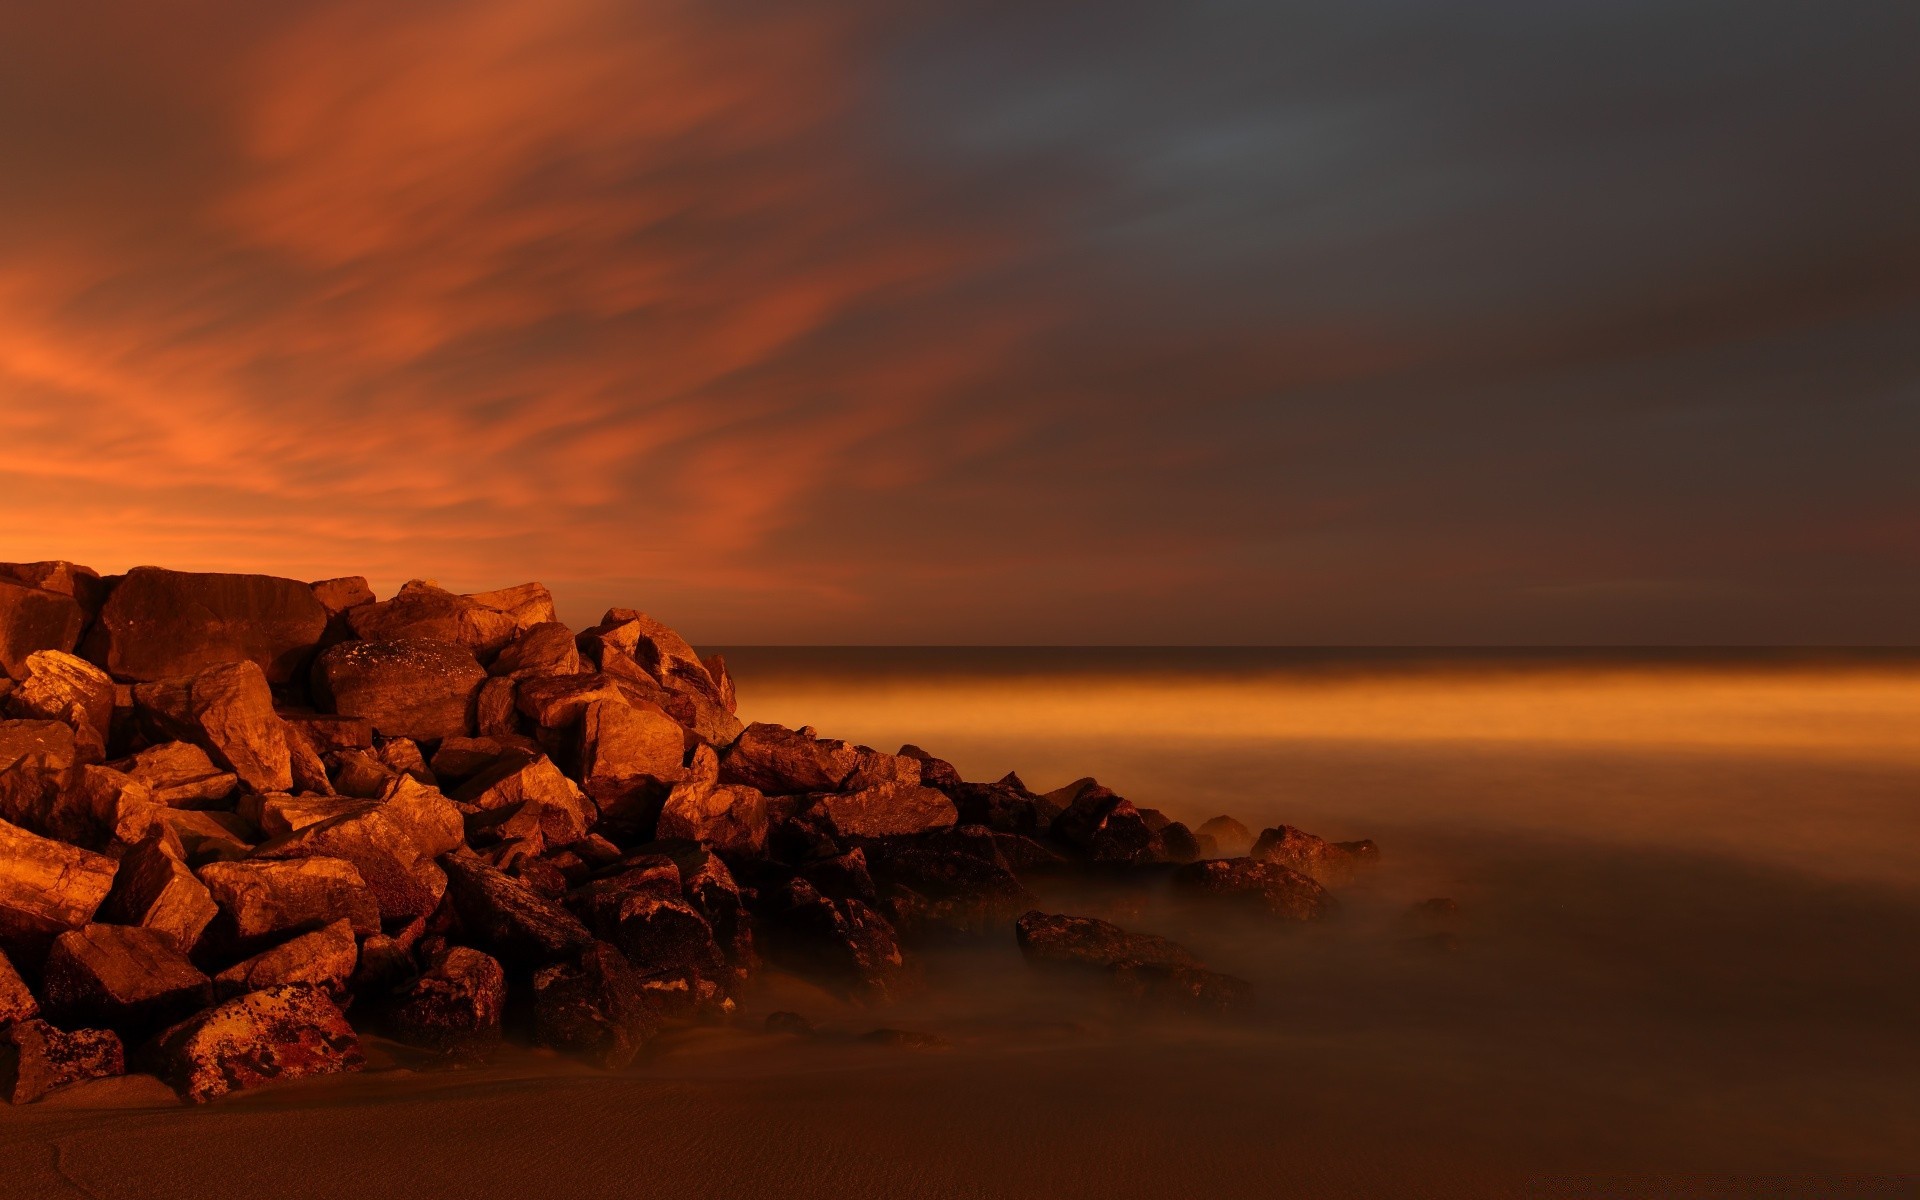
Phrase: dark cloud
(1392,322)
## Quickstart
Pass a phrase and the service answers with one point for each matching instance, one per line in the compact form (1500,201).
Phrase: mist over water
(1684,962)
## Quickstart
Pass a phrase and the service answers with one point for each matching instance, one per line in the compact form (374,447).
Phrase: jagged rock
(339,595)
(706,884)
(700,715)
(181,775)
(775,759)
(730,818)
(1231,839)
(528,797)
(529,604)
(422,611)
(454,1007)
(115,809)
(261,901)
(123,977)
(69,689)
(494,713)
(1004,806)
(36,1058)
(402,756)
(416,687)
(459,759)
(38,760)
(381,845)
(844,942)
(507,919)
(280,815)
(328,732)
(934,772)
(154,890)
(716,666)
(226,710)
(429,818)
(662,935)
(386,960)
(325,958)
(1330,863)
(593,1006)
(57,575)
(207,837)
(361,774)
(1177,842)
(554,702)
(620,742)
(309,769)
(886,810)
(16,1002)
(1269,887)
(1086,942)
(545,649)
(1102,826)
(160,624)
(33,619)
(46,888)
(279,1033)
(658,651)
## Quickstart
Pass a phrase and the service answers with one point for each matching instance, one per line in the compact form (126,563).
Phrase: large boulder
(421,610)
(454,1007)
(1224,837)
(121,977)
(382,848)
(527,797)
(34,619)
(36,1058)
(69,689)
(1262,887)
(160,624)
(956,881)
(419,688)
(529,604)
(729,818)
(509,920)
(37,766)
(16,1002)
(325,958)
(657,650)
(1103,827)
(262,901)
(46,888)
(342,593)
(111,807)
(665,938)
(1330,863)
(593,1006)
(542,650)
(1005,806)
(620,741)
(180,775)
(886,809)
(154,890)
(279,1033)
(777,760)
(843,943)
(226,710)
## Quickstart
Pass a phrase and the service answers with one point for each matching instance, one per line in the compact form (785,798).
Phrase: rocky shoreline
(243,817)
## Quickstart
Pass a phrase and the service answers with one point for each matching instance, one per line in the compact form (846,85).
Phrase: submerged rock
(1269,887)
(1330,863)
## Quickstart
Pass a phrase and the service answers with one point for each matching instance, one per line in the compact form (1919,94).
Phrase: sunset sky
(1115,322)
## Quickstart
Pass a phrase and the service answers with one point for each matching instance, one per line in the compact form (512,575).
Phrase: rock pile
(235,808)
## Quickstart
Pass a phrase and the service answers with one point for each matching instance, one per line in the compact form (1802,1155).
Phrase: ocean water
(1686,962)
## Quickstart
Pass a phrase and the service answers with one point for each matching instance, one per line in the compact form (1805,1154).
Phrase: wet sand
(1685,965)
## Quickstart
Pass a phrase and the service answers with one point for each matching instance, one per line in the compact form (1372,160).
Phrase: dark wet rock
(507,918)
(155,890)
(181,775)
(886,810)
(593,1006)
(1330,863)
(934,772)
(1182,987)
(36,1058)
(1177,843)
(843,877)
(46,888)
(261,901)
(791,1024)
(1024,856)
(1231,839)
(454,1007)
(423,611)
(458,759)
(160,624)
(544,649)
(325,958)
(1103,827)
(964,880)
(707,884)
(843,943)
(1001,806)
(33,619)
(382,846)
(226,710)
(121,977)
(775,759)
(71,690)
(38,763)
(16,1002)
(386,960)
(415,687)
(1268,887)
(1087,942)
(280,1033)
(906,1039)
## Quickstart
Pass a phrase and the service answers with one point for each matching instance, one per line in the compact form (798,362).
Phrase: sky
(1358,322)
